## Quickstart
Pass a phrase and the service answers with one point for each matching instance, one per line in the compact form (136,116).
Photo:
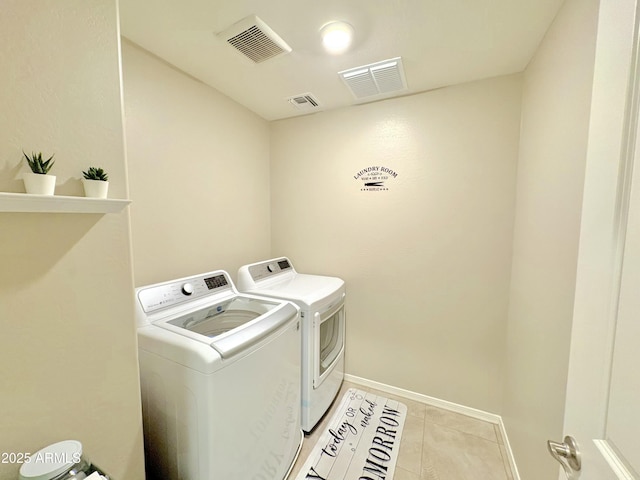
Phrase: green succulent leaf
(96,173)
(37,165)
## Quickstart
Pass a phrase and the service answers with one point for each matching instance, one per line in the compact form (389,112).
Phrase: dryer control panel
(260,271)
(164,295)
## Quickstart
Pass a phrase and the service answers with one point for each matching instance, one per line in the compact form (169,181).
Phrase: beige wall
(555,119)
(199,174)
(67,347)
(426,262)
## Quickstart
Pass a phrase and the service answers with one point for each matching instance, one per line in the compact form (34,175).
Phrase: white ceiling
(441,42)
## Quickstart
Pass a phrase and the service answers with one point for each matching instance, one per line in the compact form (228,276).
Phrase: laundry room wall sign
(375,178)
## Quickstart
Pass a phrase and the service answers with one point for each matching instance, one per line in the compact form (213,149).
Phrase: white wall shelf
(24,202)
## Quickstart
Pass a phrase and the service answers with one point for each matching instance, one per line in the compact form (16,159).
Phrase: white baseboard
(444,404)
(507,447)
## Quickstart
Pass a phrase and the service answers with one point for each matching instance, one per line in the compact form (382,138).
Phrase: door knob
(568,454)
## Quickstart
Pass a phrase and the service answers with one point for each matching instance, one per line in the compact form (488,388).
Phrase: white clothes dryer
(220,380)
(322,308)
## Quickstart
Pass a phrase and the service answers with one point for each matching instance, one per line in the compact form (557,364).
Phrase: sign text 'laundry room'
(373,178)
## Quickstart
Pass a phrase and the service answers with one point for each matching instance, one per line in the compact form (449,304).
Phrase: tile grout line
(465,432)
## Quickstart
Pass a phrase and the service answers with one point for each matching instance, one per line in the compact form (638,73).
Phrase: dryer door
(328,332)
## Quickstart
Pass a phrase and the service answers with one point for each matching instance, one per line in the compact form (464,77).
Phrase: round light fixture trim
(336,36)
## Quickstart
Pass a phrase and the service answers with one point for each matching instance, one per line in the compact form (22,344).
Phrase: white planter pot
(95,188)
(39,184)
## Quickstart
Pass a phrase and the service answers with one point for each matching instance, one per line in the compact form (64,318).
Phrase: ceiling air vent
(254,39)
(304,101)
(375,80)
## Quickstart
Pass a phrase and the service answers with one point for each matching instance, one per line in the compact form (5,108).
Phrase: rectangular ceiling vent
(304,101)
(376,80)
(254,39)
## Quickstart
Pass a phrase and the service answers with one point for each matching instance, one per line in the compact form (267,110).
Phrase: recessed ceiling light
(336,37)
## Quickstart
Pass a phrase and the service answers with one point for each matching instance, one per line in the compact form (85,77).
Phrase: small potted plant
(38,182)
(95,182)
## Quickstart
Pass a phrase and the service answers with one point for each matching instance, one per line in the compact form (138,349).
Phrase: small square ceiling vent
(305,101)
(254,39)
(375,80)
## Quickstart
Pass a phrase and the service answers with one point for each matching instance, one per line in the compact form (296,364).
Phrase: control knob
(271,267)
(187,288)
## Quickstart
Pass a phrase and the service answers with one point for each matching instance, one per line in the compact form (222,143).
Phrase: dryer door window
(329,342)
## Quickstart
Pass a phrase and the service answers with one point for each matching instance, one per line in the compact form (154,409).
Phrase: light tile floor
(436,444)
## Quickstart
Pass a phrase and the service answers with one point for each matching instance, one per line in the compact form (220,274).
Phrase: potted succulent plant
(38,182)
(95,182)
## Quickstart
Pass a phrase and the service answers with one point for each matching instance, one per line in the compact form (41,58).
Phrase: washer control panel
(164,295)
(264,270)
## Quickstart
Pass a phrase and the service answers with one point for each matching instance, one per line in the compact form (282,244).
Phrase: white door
(603,391)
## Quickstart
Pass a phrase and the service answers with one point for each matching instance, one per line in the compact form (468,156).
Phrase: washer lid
(51,461)
(233,326)
(223,317)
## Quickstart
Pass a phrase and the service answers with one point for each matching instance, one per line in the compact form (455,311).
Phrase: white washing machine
(321,300)
(220,380)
